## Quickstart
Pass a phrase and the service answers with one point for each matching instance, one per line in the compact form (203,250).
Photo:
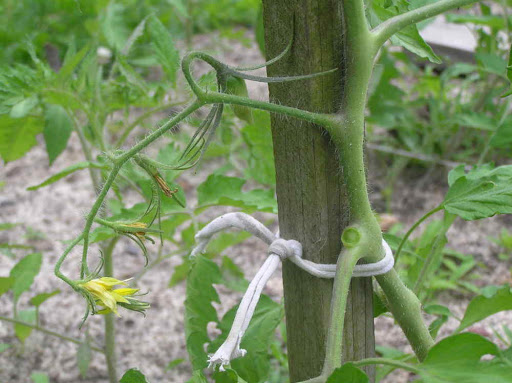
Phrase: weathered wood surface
(310,189)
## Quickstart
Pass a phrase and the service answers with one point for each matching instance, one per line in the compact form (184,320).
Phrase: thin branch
(393,25)
(415,156)
(143,117)
(388,362)
(49,332)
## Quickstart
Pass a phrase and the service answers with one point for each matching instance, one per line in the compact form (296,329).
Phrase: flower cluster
(101,292)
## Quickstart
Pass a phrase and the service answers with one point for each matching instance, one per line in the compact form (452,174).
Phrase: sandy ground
(151,343)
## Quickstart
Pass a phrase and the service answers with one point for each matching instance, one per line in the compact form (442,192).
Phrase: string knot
(285,248)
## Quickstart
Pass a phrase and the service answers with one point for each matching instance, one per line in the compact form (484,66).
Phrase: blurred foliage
(453,111)
(52,25)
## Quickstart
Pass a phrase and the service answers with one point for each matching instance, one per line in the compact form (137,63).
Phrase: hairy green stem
(223,98)
(141,118)
(347,260)
(110,330)
(347,132)
(411,230)
(66,252)
(84,270)
(119,161)
(406,309)
(388,362)
(49,332)
(388,28)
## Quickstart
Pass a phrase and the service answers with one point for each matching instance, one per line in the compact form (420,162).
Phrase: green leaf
(113,25)
(503,136)
(133,375)
(41,298)
(24,273)
(477,121)
(348,373)
(492,63)
(57,130)
(390,353)
(180,273)
(4,346)
(28,316)
(70,64)
(132,77)
(227,376)
(174,363)
(379,307)
(101,233)
(24,107)
(238,87)
(493,21)
(458,359)
(169,226)
(509,65)
(482,306)
(163,45)
(409,37)
(39,377)
(198,377)
(260,31)
(442,312)
(232,275)
(481,193)
(84,357)
(67,171)
(223,190)
(501,173)
(180,7)
(256,365)
(260,157)
(222,241)
(5,284)
(17,136)
(198,308)
(465,348)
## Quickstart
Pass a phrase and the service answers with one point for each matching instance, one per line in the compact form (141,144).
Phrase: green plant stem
(406,309)
(411,230)
(110,330)
(119,161)
(58,265)
(483,155)
(436,253)
(223,98)
(388,362)
(217,98)
(393,25)
(347,132)
(159,132)
(347,260)
(141,118)
(84,270)
(49,332)
(87,151)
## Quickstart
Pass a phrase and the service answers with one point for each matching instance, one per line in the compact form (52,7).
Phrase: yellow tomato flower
(104,294)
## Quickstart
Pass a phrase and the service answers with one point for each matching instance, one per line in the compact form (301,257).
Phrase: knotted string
(279,249)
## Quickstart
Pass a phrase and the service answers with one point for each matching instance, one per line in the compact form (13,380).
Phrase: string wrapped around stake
(279,249)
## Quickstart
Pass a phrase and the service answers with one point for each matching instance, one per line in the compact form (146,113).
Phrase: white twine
(279,249)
